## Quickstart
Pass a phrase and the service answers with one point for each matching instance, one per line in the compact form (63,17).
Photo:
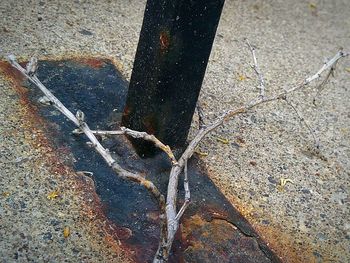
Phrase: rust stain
(126,114)
(189,225)
(13,75)
(94,212)
(275,236)
(95,63)
(284,245)
(149,125)
(164,41)
(196,222)
(92,208)
(202,237)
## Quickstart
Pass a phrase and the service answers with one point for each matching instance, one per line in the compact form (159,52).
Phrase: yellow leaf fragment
(241,77)
(347,69)
(312,5)
(201,153)
(53,195)
(223,140)
(283,182)
(66,232)
(5,194)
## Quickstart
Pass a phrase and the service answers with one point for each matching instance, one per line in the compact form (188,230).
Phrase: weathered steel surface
(170,63)
(212,229)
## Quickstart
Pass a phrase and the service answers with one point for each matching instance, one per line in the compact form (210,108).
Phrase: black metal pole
(170,63)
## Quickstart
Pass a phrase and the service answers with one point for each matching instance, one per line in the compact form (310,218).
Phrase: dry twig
(302,120)
(323,83)
(173,224)
(187,194)
(170,218)
(257,71)
(79,121)
(137,135)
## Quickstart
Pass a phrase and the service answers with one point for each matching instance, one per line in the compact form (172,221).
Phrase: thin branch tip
(257,70)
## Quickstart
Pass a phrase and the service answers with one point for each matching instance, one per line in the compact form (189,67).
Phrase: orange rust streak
(274,235)
(282,245)
(11,74)
(164,41)
(95,63)
(148,122)
(197,232)
(91,205)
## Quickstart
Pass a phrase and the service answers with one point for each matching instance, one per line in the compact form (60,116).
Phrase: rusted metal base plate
(211,231)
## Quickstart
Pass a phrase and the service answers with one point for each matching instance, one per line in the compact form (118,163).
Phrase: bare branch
(302,120)
(187,194)
(172,216)
(323,83)
(137,135)
(257,71)
(79,121)
(186,183)
(99,132)
(55,102)
(151,138)
(169,216)
(232,113)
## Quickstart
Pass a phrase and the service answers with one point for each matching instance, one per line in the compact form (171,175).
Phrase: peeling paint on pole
(170,63)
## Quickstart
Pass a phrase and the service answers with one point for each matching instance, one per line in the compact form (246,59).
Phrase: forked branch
(138,135)
(173,224)
(170,217)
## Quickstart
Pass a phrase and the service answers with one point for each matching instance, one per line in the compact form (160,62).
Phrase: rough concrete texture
(33,226)
(306,222)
